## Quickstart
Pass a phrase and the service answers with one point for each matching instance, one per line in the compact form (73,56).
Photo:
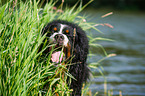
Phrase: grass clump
(22,71)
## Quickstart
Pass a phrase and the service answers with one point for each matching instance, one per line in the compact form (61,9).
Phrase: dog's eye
(66,31)
(55,29)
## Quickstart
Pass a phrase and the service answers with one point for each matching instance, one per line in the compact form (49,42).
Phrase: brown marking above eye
(67,31)
(55,29)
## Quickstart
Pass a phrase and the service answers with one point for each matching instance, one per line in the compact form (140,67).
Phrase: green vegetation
(22,71)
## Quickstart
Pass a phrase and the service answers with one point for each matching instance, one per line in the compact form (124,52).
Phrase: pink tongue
(56,57)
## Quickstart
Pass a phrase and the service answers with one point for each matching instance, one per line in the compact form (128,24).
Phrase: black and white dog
(74,42)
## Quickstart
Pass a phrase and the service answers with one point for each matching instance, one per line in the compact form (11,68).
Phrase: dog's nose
(59,37)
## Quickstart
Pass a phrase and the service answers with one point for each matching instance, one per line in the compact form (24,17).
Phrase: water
(126,71)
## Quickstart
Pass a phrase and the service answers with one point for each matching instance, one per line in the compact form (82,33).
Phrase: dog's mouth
(60,53)
(57,56)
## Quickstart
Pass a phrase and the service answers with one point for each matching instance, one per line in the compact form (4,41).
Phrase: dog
(74,42)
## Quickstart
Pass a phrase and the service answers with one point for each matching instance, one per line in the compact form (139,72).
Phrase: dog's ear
(81,45)
(46,28)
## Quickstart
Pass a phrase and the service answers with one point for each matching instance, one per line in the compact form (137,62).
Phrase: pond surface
(124,72)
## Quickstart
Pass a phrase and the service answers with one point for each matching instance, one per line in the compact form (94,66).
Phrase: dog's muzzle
(59,38)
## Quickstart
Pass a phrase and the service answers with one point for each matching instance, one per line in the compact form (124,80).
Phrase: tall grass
(22,70)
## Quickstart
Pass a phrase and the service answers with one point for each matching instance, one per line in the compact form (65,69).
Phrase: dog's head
(60,33)
(67,36)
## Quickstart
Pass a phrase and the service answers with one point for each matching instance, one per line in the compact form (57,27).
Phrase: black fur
(79,42)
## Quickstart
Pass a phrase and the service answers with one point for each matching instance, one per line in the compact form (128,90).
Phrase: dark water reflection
(126,71)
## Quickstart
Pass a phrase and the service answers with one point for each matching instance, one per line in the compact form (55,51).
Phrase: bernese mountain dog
(71,45)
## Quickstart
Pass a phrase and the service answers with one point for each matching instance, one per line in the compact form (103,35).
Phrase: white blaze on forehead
(61,28)
(65,41)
